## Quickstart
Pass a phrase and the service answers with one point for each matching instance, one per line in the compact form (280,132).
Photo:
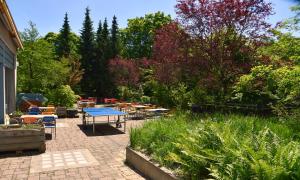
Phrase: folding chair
(50,122)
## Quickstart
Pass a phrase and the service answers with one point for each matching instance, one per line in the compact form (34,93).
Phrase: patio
(75,154)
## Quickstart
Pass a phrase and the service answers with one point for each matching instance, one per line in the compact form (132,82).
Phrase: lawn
(222,146)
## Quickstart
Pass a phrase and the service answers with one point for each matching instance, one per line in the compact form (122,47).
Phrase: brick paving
(107,146)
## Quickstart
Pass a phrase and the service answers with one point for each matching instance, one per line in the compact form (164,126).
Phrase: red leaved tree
(171,54)
(124,72)
(225,35)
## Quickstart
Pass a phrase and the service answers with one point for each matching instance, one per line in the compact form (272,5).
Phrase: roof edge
(11,23)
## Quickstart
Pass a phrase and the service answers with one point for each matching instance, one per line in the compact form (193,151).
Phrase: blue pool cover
(103,112)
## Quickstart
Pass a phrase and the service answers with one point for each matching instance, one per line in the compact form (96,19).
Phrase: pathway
(75,154)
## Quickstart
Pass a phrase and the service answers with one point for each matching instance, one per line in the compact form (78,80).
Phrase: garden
(231,79)
(222,146)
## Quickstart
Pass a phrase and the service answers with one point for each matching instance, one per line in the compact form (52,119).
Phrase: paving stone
(65,160)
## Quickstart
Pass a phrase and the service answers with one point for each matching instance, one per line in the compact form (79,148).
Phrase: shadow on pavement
(100,130)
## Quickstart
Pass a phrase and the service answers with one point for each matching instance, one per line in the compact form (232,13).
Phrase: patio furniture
(100,112)
(39,116)
(72,113)
(110,100)
(50,122)
(156,112)
(93,99)
(91,104)
(61,111)
(140,110)
(29,120)
(33,113)
(47,113)
(85,103)
(132,112)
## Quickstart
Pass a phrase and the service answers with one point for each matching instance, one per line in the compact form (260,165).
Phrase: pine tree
(99,52)
(99,31)
(86,49)
(103,52)
(105,42)
(63,48)
(114,38)
(99,42)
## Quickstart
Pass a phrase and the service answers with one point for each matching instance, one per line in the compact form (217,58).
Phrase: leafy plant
(222,146)
(62,96)
(266,85)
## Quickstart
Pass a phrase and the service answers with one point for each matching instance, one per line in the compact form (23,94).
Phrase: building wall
(8,68)
(6,38)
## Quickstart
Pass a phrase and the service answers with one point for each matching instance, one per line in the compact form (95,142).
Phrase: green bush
(181,97)
(145,99)
(62,96)
(200,96)
(265,85)
(162,95)
(128,94)
(222,146)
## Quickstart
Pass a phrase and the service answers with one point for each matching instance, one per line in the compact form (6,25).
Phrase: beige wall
(5,36)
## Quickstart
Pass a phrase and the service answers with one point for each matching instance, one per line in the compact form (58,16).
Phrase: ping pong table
(100,112)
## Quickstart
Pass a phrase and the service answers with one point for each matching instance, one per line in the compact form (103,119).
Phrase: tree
(63,48)
(39,71)
(114,38)
(75,72)
(226,35)
(104,84)
(51,38)
(137,38)
(105,43)
(171,53)
(86,50)
(99,55)
(125,72)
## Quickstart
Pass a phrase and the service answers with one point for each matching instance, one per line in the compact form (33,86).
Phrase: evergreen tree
(99,42)
(103,52)
(114,38)
(63,47)
(99,52)
(86,50)
(105,39)
(99,31)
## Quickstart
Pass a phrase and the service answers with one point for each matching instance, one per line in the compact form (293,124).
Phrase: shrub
(266,85)
(127,94)
(145,99)
(62,96)
(162,95)
(180,96)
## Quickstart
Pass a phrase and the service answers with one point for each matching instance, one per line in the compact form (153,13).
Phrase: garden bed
(144,165)
(221,146)
(20,138)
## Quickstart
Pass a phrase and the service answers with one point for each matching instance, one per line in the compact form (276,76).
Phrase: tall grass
(222,146)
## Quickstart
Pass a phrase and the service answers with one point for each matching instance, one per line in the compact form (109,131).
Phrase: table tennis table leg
(124,124)
(93,124)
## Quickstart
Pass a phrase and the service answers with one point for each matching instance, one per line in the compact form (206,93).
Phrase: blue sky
(48,14)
